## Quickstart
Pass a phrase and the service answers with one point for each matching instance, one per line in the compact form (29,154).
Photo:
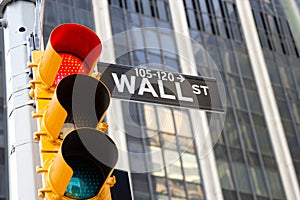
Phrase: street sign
(161,87)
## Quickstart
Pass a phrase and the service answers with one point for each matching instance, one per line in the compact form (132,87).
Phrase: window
(192,19)
(258,19)
(140,186)
(174,167)
(83,4)
(182,123)
(225,175)
(150,117)
(169,141)
(257,175)
(207,23)
(240,171)
(283,109)
(165,120)
(50,14)
(217,8)
(229,61)
(155,8)
(273,29)
(231,11)
(162,10)
(228,194)
(286,77)
(66,13)
(191,169)
(275,184)
(177,189)
(2,156)
(263,135)
(254,101)
(239,99)
(231,130)
(2,182)
(237,155)
(167,42)
(214,17)
(194,191)
(159,185)
(156,161)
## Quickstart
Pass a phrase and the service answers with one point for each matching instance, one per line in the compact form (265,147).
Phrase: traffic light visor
(78,99)
(85,99)
(71,49)
(91,155)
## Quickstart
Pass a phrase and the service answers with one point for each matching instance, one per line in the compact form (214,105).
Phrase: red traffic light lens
(71,49)
(70,65)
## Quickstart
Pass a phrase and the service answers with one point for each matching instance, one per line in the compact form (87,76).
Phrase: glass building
(253,45)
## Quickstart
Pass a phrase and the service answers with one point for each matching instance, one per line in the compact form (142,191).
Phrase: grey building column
(114,115)
(267,98)
(210,177)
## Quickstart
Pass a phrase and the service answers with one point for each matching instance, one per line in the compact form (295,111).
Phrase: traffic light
(77,157)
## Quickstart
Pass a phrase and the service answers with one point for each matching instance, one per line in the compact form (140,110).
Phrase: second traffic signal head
(78,99)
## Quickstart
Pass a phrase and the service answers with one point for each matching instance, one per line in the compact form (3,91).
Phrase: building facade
(254,152)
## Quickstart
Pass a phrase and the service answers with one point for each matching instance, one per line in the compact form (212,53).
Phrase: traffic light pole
(18,21)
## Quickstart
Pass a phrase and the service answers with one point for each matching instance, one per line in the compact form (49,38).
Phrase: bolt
(3,23)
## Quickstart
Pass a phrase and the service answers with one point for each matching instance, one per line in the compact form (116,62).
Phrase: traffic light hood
(71,49)
(78,99)
(87,157)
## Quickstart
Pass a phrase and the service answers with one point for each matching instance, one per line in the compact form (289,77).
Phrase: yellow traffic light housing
(77,164)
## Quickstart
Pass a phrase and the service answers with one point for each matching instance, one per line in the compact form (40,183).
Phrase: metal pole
(18,19)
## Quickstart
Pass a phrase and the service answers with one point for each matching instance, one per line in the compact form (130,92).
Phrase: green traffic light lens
(87,178)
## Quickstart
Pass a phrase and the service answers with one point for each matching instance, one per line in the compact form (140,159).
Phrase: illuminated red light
(70,65)
(78,46)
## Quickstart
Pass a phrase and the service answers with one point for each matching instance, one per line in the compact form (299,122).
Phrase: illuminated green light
(87,178)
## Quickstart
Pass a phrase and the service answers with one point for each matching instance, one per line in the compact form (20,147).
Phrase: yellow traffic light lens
(87,178)
(70,65)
